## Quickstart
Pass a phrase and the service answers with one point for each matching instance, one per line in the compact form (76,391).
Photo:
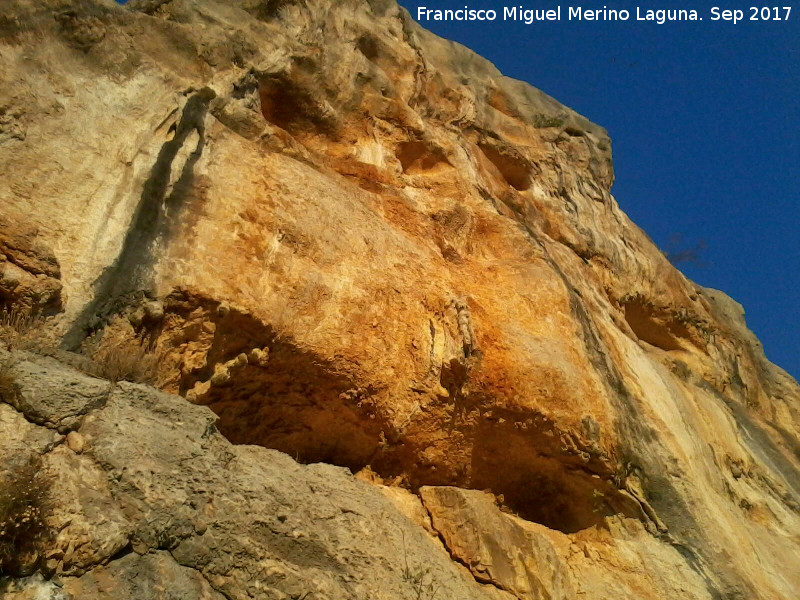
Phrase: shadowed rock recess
(348,241)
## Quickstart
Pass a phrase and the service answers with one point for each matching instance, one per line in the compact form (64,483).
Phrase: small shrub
(542,121)
(421,579)
(23,508)
(123,360)
(422,583)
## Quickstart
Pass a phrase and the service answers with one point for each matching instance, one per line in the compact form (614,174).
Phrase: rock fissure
(227,595)
(479,577)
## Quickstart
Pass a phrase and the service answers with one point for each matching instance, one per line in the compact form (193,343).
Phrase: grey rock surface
(159,505)
(51,394)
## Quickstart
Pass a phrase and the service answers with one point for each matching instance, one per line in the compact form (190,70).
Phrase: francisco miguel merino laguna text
(578,13)
(573,13)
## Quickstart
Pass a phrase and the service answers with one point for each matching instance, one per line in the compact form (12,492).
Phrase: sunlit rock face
(360,244)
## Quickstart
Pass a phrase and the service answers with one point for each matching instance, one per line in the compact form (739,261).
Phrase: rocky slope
(359,244)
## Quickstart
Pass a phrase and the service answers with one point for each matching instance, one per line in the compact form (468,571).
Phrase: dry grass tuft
(23,510)
(113,357)
(123,360)
(22,329)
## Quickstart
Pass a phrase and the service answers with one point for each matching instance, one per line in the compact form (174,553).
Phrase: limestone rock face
(360,244)
(29,273)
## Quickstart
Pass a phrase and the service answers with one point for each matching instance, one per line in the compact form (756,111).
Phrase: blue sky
(704,123)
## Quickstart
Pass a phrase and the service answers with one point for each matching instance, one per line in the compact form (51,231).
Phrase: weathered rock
(132,577)
(174,510)
(532,561)
(29,272)
(22,439)
(49,393)
(90,526)
(35,587)
(429,256)
(496,549)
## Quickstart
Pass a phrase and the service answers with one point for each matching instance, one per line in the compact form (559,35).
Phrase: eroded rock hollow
(360,244)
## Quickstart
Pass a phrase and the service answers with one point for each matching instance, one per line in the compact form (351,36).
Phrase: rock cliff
(355,243)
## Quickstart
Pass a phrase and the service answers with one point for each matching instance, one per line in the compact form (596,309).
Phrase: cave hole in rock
(293,400)
(540,483)
(269,9)
(419,158)
(297,406)
(657,327)
(288,105)
(528,470)
(266,389)
(515,169)
(368,46)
